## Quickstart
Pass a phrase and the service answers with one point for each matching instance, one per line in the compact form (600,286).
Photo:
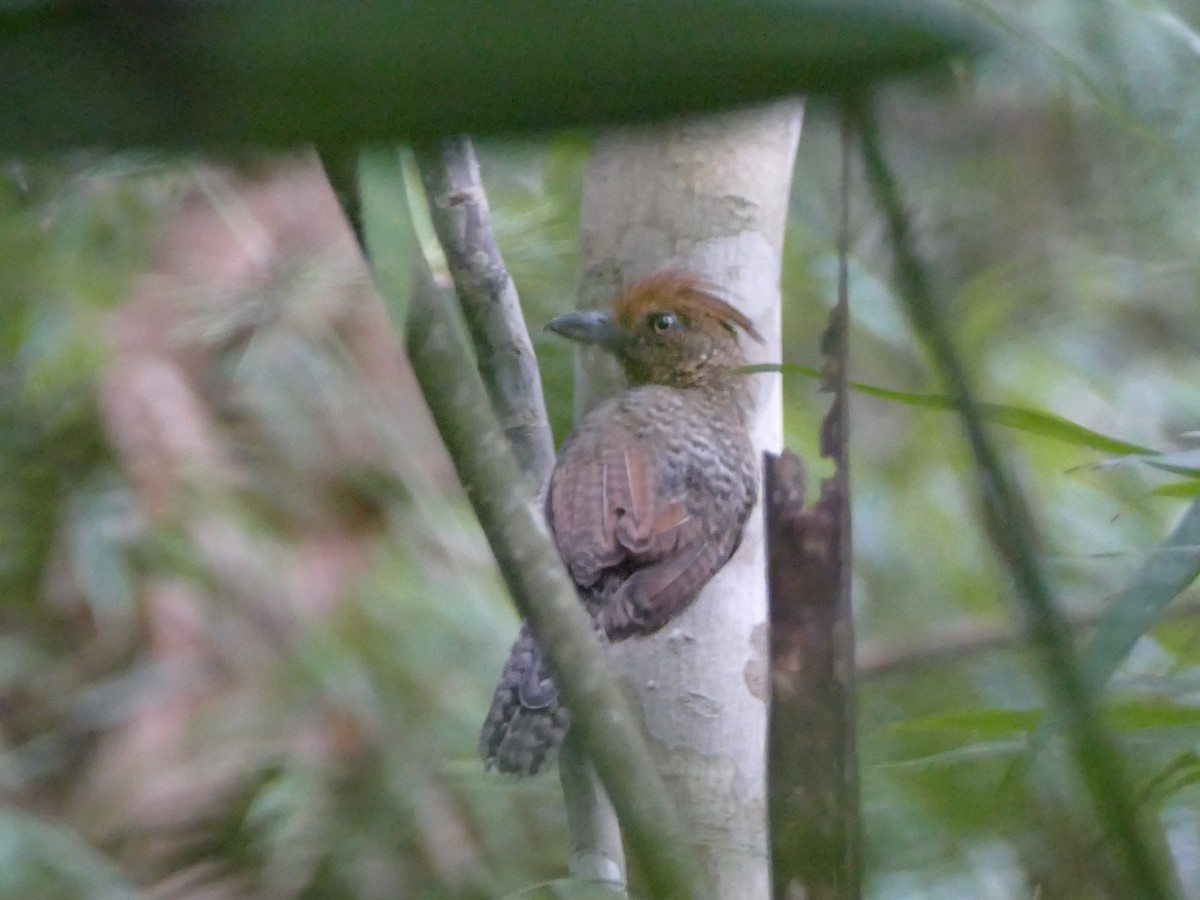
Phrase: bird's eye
(662,322)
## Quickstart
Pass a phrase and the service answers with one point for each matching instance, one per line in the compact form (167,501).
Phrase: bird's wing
(610,507)
(653,595)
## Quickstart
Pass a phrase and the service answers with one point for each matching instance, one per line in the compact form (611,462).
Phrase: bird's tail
(526,723)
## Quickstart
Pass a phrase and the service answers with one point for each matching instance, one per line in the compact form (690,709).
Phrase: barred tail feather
(526,723)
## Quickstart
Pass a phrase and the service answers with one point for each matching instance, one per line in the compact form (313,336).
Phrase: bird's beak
(590,326)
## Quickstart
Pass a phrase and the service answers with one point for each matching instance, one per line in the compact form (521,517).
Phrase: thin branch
(461,218)
(1010,527)
(835,443)
(544,594)
(597,852)
(459,209)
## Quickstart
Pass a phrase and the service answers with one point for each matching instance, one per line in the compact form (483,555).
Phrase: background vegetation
(253,663)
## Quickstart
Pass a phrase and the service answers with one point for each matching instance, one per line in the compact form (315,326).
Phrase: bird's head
(668,328)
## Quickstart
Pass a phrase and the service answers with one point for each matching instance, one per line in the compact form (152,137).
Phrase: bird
(649,494)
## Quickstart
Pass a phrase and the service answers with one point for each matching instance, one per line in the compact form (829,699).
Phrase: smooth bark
(709,196)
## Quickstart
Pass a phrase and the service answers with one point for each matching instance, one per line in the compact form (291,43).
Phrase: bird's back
(649,494)
(648,500)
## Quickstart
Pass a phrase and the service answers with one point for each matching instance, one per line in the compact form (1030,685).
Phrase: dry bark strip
(811,766)
(812,755)
(707,196)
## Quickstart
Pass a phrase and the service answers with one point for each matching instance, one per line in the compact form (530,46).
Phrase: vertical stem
(544,594)
(596,850)
(1010,527)
(528,561)
(459,210)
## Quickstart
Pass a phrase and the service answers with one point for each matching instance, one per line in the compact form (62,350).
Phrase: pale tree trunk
(708,196)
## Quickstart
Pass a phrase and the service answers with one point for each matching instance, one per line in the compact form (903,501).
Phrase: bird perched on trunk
(649,494)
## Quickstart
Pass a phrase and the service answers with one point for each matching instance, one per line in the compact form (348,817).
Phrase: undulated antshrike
(649,494)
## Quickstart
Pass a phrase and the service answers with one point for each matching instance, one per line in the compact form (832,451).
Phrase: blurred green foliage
(1054,186)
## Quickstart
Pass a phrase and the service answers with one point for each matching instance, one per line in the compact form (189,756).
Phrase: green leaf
(1181,772)
(1178,489)
(387,227)
(988,724)
(1176,468)
(282,72)
(968,754)
(1170,569)
(1183,462)
(1133,715)
(1030,421)
(979,723)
